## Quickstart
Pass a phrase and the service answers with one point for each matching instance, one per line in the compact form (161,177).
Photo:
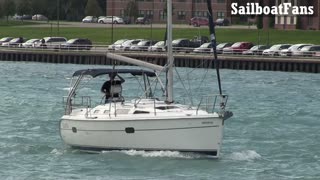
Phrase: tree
(74,9)
(39,6)
(299,23)
(93,8)
(1,11)
(132,10)
(260,22)
(9,8)
(24,7)
(103,5)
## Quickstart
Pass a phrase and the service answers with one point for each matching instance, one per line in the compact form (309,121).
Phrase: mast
(214,43)
(170,55)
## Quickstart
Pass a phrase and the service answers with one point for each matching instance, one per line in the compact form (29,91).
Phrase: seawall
(290,64)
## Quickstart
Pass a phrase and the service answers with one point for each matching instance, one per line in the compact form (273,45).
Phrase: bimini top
(98,72)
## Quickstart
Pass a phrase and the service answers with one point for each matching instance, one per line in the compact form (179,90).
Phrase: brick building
(306,21)
(183,10)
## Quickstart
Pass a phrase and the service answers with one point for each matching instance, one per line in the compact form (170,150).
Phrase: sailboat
(144,123)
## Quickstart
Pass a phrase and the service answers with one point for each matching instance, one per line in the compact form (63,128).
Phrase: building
(183,10)
(306,22)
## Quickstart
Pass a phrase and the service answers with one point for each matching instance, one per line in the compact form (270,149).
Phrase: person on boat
(112,88)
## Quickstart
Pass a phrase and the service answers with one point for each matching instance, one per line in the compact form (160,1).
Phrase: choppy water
(274,133)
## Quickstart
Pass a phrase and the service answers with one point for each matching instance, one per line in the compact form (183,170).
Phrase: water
(274,133)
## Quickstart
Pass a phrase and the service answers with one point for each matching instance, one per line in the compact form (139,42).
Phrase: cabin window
(96,111)
(122,111)
(167,107)
(141,112)
(106,112)
(129,130)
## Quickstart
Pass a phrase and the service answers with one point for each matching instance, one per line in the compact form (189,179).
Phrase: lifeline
(282,9)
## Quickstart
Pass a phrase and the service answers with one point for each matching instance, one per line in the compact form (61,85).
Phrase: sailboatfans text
(282,9)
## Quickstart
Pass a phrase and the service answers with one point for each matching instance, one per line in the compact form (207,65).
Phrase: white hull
(201,134)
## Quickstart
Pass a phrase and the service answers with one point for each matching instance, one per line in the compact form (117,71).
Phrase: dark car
(126,20)
(77,44)
(237,48)
(221,46)
(255,50)
(184,45)
(142,20)
(222,22)
(199,21)
(5,39)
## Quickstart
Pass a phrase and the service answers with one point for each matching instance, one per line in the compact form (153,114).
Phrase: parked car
(275,49)
(220,47)
(117,43)
(199,21)
(237,48)
(255,50)
(26,17)
(142,45)
(39,17)
(51,42)
(127,44)
(30,43)
(142,20)
(158,47)
(310,51)
(5,39)
(222,22)
(126,20)
(184,45)
(90,19)
(15,42)
(77,44)
(111,20)
(293,50)
(204,48)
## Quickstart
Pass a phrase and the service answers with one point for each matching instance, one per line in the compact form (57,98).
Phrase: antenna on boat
(214,43)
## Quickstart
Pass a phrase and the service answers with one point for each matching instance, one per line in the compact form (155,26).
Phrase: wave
(248,155)
(58,151)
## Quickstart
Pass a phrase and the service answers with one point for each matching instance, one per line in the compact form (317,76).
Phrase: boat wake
(162,154)
(248,155)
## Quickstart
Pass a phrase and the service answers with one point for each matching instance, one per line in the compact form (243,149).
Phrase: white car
(111,20)
(117,43)
(51,42)
(275,49)
(293,50)
(31,43)
(39,17)
(90,19)
(158,47)
(125,46)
